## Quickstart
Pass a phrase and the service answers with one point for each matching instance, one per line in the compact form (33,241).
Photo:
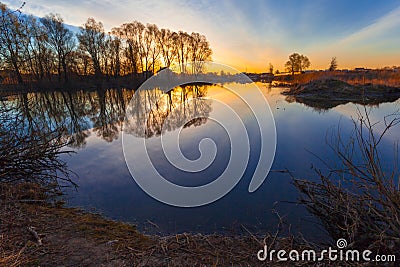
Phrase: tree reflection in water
(75,115)
(178,105)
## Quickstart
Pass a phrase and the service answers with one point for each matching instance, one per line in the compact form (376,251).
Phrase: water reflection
(92,122)
(30,148)
(76,115)
(178,105)
(326,103)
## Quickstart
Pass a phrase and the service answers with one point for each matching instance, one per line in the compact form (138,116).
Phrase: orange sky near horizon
(320,60)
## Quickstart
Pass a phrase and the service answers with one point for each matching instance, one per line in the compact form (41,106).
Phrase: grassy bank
(353,77)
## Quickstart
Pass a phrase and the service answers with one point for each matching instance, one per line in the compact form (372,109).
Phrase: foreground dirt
(36,233)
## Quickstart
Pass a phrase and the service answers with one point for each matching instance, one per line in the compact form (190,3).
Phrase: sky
(248,35)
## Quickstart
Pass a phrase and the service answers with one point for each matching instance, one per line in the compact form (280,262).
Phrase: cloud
(388,24)
(374,45)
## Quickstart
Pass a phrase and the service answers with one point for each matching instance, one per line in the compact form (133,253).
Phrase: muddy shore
(36,232)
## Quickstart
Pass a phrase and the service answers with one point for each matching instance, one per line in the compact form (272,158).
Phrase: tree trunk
(64,65)
(16,68)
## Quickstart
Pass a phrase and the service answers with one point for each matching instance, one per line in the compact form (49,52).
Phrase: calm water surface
(93,122)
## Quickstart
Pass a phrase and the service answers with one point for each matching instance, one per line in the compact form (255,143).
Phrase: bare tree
(132,34)
(147,48)
(60,39)
(11,35)
(91,38)
(35,48)
(115,51)
(271,68)
(181,40)
(153,33)
(200,51)
(166,43)
(333,65)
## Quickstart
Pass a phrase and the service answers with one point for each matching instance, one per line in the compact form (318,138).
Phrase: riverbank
(78,83)
(328,93)
(37,232)
(388,77)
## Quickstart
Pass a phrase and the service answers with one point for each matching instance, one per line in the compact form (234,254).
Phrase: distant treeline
(34,50)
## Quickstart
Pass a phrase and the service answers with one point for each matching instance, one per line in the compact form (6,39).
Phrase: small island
(328,93)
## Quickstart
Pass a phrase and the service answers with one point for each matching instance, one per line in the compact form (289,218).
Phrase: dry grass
(70,237)
(67,236)
(359,200)
(376,77)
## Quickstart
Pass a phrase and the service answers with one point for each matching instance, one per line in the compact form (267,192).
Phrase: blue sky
(250,34)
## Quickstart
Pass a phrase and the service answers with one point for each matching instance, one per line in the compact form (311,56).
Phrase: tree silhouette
(11,34)
(333,65)
(91,38)
(271,68)
(297,63)
(60,39)
(35,49)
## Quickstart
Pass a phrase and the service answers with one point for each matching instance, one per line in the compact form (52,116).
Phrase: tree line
(46,49)
(299,63)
